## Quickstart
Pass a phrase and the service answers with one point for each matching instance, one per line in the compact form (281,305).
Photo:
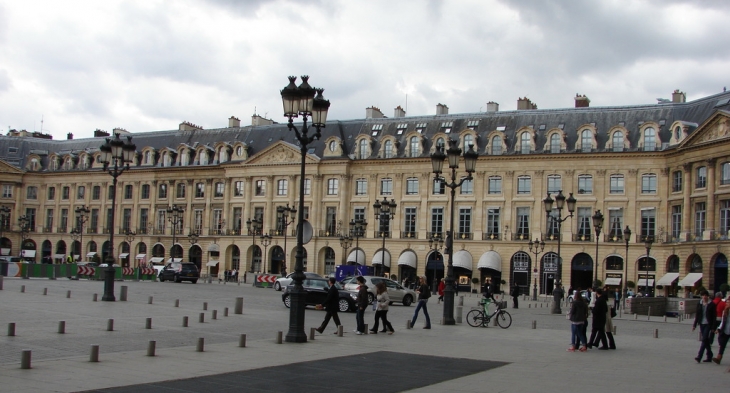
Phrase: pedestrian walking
(423,294)
(381,312)
(723,331)
(515,296)
(331,305)
(705,317)
(598,333)
(362,303)
(719,309)
(612,304)
(578,316)
(442,286)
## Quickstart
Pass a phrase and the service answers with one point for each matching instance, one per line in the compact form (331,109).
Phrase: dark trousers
(515,301)
(360,319)
(722,341)
(707,336)
(330,314)
(611,342)
(422,304)
(598,334)
(382,314)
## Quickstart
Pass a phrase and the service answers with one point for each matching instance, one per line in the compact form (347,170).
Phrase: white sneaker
(359,333)
(356,331)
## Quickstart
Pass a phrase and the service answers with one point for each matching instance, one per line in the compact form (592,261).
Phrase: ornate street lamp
(384,213)
(648,241)
(345,242)
(254,228)
(357,230)
(175,217)
(75,235)
(597,225)
(437,162)
(116,155)
(301,101)
(559,205)
(627,237)
(265,241)
(536,247)
(436,243)
(282,214)
(82,216)
(25,226)
(129,237)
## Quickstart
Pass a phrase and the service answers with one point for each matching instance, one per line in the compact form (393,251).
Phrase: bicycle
(482,317)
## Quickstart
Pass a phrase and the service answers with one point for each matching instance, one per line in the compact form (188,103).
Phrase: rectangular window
(493,223)
(200,190)
(282,186)
(437,220)
(700,217)
(467,187)
(307,186)
(524,185)
(584,223)
(410,222)
(94,221)
(617,184)
(220,188)
(198,220)
(217,224)
(465,223)
(616,224)
(676,181)
(495,185)
(412,186)
(238,189)
(238,220)
(331,221)
(80,192)
(31,192)
(127,220)
(725,173)
(128,191)
(359,214)
(96,193)
(523,223)
(49,221)
(162,191)
(110,192)
(701,177)
(439,187)
(648,223)
(8,191)
(180,190)
(260,187)
(332,186)
(552,224)
(144,220)
(64,221)
(161,221)
(361,187)
(585,184)
(258,213)
(555,184)
(145,191)
(676,221)
(725,218)
(65,192)
(386,186)
(30,214)
(648,183)
(51,193)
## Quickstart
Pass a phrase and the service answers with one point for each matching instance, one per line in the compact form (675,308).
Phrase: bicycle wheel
(504,320)
(474,318)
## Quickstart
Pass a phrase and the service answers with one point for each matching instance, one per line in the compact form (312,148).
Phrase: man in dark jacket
(705,317)
(599,321)
(515,296)
(331,305)
(362,303)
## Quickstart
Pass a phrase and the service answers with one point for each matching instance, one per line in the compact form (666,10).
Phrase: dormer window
(446,127)
(401,127)
(472,125)
(649,139)
(376,128)
(420,127)
(388,149)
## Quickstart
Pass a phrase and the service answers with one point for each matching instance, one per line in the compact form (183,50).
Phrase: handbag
(568,315)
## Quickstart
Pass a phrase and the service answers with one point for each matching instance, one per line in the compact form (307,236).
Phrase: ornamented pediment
(280,153)
(715,128)
(7,168)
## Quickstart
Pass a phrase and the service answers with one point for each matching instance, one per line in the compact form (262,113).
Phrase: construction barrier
(264,280)
(73,271)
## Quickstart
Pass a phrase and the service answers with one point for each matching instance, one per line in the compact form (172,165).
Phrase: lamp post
(265,241)
(283,217)
(24,223)
(536,247)
(129,237)
(301,101)
(346,243)
(82,216)
(437,161)
(254,228)
(597,225)
(75,235)
(436,243)
(115,156)
(175,216)
(559,205)
(357,230)
(384,213)
(627,237)
(648,241)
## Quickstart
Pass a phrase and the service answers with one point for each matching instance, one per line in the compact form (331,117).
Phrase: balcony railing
(464,236)
(61,230)
(613,238)
(549,237)
(92,230)
(328,233)
(430,235)
(522,236)
(491,236)
(409,235)
(586,237)
(47,229)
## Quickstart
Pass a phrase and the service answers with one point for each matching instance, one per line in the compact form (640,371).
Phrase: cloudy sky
(149,65)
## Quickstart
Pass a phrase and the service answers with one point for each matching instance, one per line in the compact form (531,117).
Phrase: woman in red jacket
(442,286)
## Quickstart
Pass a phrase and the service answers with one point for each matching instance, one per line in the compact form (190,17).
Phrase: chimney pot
(581,101)
(442,109)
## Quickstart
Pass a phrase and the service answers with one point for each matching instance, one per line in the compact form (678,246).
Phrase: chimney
(373,113)
(525,104)
(442,109)
(100,133)
(492,107)
(119,130)
(399,112)
(679,96)
(188,126)
(257,120)
(69,136)
(581,101)
(234,122)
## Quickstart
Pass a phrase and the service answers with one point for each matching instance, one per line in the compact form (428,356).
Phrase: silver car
(283,282)
(396,292)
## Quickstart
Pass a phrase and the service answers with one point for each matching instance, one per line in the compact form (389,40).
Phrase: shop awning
(490,260)
(356,256)
(378,258)
(27,253)
(123,255)
(58,256)
(214,248)
(171,260)
(408,258)
(157,259)
(642,282)
(141,256)
(668,279)
(91,254)
(211,263)
(4,251)
(463,259)
(690,279)
(613,281)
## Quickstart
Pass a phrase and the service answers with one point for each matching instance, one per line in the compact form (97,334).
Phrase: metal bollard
(225,311)
(201,318)
(340,330)
(148,323)
(459,312)
(94,353)
(636,316)
(367,331)
(62,327)
(45,291)
(1,282)
(278,337)
(151,348)
(534,324)
(185,321)
(149,300)
(25,358)
(665,318)
(648,314)
(242,341)
(22,288)
(408,324)
(177,302)
(205,306)
(11,329)
(201,345)
(123,294)
(311,333)
(239,306)
(529,305)
(215,314)
(614,330)
(461,300)
(96,297)
(656,333)
(110,325)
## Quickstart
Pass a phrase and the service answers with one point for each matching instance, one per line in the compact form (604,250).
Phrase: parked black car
(179,272)
(316,293)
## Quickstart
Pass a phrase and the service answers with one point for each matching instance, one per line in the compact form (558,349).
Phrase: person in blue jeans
(423,294)
(705,317)
(361,303)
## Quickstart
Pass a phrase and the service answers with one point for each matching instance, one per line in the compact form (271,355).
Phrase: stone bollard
(110,325)
(408,324)
(45,291)
(61,327)
(68,294)
(665,318)
(636,316)
(96,297)
(648,314)
(461,300)
(148,323)
(459,313)
(201,345)
(614,330)
(656,333)
(185,321)
(311,333)
(149,300)
(238,309)
(177,302)
(205,306)
(340,330)
(123,294)
(242,341)
(22,288)
(25,358)
(278,337)
(367,331)
(225,311)
(215,314)
(151,348)
(94,353)
(11,329)
(201,318)
(534,324)
(1,282)
(529,305)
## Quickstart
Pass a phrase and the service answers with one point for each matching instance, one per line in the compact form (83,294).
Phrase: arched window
(388,149)
(497,145)
(184,159)
(203,158)
(165,159)
(362,152)
(677,132)
(415,147)
(525,143)
(468,140)
(223,155)
(617,141)
(649,139)
(440,142)
(586,141)
(555,143)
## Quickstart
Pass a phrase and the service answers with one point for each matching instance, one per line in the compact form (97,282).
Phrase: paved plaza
(446,358)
